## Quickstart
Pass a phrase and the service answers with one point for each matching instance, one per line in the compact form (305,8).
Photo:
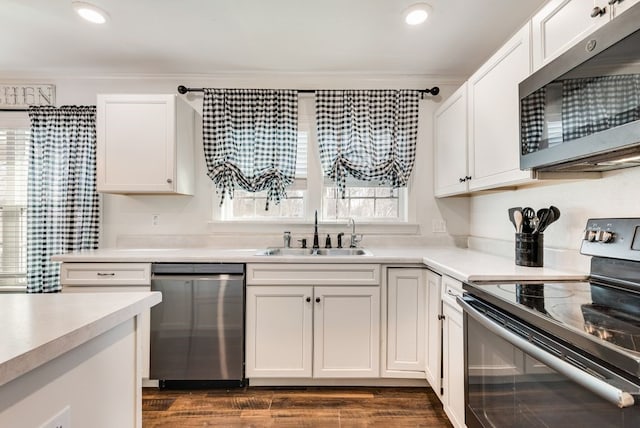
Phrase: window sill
(277,227)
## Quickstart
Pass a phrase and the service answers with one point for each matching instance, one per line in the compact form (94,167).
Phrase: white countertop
(36,328)
(462,264)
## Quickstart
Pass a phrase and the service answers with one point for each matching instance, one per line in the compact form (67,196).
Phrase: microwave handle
(599,387)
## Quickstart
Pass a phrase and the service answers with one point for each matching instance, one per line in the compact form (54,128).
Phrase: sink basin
(335,252)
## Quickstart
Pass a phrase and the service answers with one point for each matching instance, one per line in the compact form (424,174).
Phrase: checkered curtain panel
(532,118)
(62,203)
(369,135)
(250,138)
(593,104)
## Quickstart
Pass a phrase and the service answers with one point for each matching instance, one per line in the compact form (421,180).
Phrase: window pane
(13,203)
(365,203)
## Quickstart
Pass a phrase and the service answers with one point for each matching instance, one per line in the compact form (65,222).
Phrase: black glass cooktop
(576,311)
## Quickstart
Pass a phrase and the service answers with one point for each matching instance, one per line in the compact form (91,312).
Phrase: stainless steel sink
(331,252)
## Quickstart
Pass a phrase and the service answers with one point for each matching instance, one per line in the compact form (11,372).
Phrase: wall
(614,195)
(187,220)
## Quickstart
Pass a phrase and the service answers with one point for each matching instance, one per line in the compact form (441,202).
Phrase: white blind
(14,143)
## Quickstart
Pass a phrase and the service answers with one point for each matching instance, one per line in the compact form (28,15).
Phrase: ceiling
(206,37)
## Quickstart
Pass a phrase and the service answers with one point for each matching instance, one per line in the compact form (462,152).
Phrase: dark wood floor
(293,407)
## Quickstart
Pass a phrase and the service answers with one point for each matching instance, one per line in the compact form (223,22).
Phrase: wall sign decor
(16,96)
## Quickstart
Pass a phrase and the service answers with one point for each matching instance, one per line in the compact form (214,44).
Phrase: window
(14,145)
(363,201)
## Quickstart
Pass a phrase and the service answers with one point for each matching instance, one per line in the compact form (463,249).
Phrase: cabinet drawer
(105,273)
(451,288)
(313,274)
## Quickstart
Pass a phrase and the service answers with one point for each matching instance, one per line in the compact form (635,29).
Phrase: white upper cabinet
(145,144)
(450,145)
(494,127)
(560,24)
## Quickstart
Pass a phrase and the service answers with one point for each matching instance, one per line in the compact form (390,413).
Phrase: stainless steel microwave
(581,112)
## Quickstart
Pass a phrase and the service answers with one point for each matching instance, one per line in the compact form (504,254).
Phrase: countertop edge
(42,354)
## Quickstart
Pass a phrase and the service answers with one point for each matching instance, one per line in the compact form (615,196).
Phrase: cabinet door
(136,143)
(452,358)
(279,331)
(494,124)
(450,146)
(433,332)
(406,303)
(560,24)
(346,331)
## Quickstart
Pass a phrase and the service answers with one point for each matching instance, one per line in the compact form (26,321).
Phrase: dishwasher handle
(597,386)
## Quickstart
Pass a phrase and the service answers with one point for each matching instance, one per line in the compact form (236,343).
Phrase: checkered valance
(250,138)
(593,104)
(62,203)
(369,135)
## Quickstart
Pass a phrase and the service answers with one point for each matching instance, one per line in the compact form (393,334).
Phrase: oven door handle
(597,386)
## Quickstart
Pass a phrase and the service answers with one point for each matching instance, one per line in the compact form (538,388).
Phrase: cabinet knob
(612,2)
(308,299)
(598,11)
(169,180)
(441,317)
(317,300)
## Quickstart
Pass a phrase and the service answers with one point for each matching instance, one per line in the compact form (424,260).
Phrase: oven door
(515,376)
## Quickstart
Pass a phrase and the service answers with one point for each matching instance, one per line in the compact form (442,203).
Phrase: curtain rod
(183,90)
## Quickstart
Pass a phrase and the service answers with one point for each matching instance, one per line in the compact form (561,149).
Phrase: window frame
(16,281)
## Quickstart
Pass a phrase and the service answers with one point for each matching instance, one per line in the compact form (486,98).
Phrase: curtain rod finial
(183,89)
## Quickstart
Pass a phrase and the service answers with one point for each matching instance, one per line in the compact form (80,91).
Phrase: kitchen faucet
(354,237)
(316,244)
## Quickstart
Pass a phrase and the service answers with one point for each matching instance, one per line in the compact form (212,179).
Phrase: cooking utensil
(517,220)
(551,217)
(528,215)
(556,213)
(511,211)
(543,217)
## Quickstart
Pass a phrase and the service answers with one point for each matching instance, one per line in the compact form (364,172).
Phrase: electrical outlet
(438,226)
(155,220)
(61,420)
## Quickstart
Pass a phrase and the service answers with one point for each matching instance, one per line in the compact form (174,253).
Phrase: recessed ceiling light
(416,14)
(90,12)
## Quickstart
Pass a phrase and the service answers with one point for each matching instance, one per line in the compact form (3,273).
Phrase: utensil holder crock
(530,249)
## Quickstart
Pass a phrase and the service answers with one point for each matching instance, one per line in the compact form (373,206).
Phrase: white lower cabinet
(305,331)
(279,322)
(452,352)
(433,331)
(112,278)
(405,303)
(312,331)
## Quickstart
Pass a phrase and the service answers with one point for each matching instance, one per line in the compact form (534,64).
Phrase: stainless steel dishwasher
(197,332)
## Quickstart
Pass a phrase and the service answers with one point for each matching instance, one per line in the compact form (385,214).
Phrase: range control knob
(589,235)
(604,236)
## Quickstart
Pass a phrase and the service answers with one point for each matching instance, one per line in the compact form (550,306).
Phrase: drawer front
(80,274)
(451,288)
(313,274)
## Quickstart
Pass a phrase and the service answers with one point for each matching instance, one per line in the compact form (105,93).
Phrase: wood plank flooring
(293,407)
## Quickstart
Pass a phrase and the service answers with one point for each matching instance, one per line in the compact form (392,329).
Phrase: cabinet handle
(598,11)
(308,299)
(169,180)
(612,2)
(317,300)
(106,274)
(441,317)
(468,177)
(462,180)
